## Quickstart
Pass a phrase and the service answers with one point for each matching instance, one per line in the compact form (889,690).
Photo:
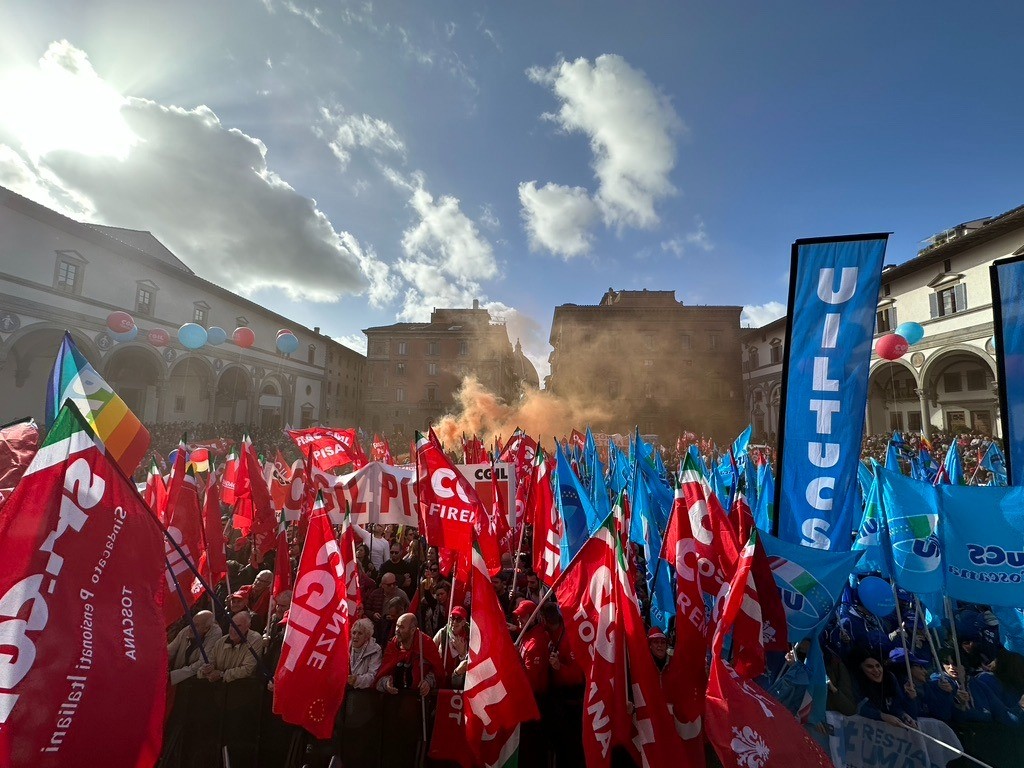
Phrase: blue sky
(354,164)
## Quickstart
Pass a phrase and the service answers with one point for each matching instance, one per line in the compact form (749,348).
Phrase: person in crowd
(790,688)
(531,588)
(841,694)
(501,590)
(880,697)
(396,565)
(434,608)
(273,634)
(534,648)
(376,602)
(452,643)
(379,547)
(1003,683)
(364,655)
(396,606)
(410,661)
(258,601)
(238,602)
(970,702)
(183,655)
(235,656)
(366,566)
(658,643)
(562,706)
(932,698)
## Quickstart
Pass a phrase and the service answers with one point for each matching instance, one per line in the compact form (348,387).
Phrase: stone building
(948,380)
(415,369)
(57,274)
(650,361)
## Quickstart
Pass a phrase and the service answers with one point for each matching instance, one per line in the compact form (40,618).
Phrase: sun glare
(64,106)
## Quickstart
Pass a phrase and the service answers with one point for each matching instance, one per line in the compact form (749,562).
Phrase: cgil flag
(120,431)
(82,626)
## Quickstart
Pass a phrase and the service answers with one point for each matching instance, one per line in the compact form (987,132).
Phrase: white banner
(857,742)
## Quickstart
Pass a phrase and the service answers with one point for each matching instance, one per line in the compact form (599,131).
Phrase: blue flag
(695,453)
(953,467)
(1007,277)
(995,462)
(834,294)
(764,512)
(739,445)
(892,458)
(871,539)
(579,518)
(618,469)
(911,517)
(811,581)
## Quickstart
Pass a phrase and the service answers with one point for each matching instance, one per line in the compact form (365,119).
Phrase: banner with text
(80,620)
(856,742)
(1007,277)
(833,296)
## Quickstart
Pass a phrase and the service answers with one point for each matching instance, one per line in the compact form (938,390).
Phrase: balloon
(992,341)
(876,595)
(120,322)
(282,332)
(892,346)
(216,335)
(192,335)
(912,332)
(158,337)
(287,343)
(124,338)
(243,337)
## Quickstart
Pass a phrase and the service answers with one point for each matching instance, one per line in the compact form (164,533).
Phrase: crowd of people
(410,637)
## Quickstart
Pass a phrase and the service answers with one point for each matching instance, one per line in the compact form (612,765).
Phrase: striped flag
(119,429)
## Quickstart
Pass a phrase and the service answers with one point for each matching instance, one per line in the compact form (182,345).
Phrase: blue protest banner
(833,296)
(911,512)
(1007,277)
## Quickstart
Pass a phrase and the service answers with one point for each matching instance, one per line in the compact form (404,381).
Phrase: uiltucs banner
(80,619)
(833,295)
(1007,277)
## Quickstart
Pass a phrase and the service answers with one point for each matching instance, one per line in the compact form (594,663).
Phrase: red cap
(459,612)
(656,634)
(525,609)
(242,593)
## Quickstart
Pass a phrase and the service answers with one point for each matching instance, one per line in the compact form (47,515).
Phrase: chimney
(316,329)
(476,303)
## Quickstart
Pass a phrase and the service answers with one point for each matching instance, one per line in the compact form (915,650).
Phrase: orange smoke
(540,414)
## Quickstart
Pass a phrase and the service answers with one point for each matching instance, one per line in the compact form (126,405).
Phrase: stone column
(922,399)
(868,427)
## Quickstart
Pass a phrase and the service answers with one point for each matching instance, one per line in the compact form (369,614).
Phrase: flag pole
(950,747)
(902,632)
(188,612)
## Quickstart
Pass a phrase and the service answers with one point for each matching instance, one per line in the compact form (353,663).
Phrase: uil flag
(120,430)
(309,684)
(82,626)
(746,726)
(497,695)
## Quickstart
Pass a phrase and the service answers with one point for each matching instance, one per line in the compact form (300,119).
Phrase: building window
(648,363)
(649,340)
(179,403)
(433,348)
(400,369)
(885,320)
(241,321)
(951,382)
(431,394)
(432,369)
(200,313)
(463,347)
(914,421)
(685,341)
(712,342)
(400,395)
(948,301)
(753,358)
(403,348)
(311,354)
(144,301)
(976,381)
(647,389)
(67,276)
(776,353)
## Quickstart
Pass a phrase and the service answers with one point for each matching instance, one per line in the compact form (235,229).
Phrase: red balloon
(120,322)
(158,337)
(892,346)
(243,337)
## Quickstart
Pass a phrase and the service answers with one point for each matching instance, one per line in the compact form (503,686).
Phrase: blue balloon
(192,336)
(287,343)
(124,338)
(912,332)
(216,336)
(876,595)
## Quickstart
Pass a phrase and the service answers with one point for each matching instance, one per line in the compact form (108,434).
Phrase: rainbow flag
(73,378)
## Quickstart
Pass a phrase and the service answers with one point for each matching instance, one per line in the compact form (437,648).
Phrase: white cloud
(356,341)
(630,125)
(674,245)
(489,219)
(700,238)
(756,315)
(558,218)
(203,189)
(345,133)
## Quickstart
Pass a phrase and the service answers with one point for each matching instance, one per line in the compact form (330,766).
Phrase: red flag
(746,726)
(282,468)
(497,695)
(381,451)
(587,596)
(577,440)
(473,451)
(213,563)
(227,483)
(774,634)
(18,444)
(685,678)
(520,452)
(253,507)
(184,525)
(331,447)
(449,508)
(745,616)
(81,622)
(156,492)
(448,739)
(547,525)
(282,562)
(309,684)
